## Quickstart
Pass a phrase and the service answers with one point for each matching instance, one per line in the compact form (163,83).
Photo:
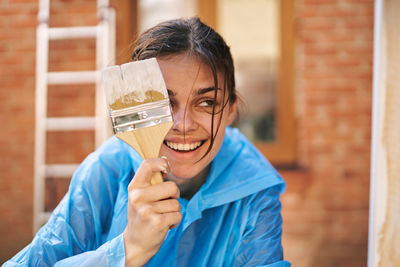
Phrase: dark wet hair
(191,36)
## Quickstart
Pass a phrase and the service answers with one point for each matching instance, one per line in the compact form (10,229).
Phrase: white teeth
(183,147)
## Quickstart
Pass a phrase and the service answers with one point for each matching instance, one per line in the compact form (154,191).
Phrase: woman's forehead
(189,63)
(182,73)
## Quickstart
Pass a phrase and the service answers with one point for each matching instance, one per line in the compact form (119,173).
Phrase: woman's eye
(207,103)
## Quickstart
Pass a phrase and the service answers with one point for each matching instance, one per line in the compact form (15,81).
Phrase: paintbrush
(139,106)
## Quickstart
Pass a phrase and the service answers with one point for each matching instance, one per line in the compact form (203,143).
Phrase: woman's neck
(189,187)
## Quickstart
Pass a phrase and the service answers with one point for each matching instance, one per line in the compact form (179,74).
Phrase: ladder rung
(70,123)
(60,170)
(62,33)
(71,77)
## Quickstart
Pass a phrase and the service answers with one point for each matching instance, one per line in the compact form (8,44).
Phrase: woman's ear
(232,111)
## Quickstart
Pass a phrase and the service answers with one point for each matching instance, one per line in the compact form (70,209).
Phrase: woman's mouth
(187,147)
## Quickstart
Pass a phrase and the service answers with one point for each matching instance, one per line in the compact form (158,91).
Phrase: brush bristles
(133,84)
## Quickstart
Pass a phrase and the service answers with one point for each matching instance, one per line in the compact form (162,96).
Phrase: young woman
(219,204)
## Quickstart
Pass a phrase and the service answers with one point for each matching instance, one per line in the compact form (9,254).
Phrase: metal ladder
(104,33)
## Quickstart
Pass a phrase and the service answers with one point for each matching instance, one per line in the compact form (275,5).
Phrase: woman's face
(191,90)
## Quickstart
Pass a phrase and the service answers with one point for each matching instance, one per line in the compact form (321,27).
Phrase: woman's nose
(183,120)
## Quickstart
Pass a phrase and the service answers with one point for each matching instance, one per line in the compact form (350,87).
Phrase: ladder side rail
(102,4)
(42,45)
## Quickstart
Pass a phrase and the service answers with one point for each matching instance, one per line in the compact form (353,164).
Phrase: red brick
(318,24)
(319,2)
(60,98)
(69,147)
(359,23)
(329,11)
(368,10)
(361,1)
(23,1)
(318,50)
(336,37)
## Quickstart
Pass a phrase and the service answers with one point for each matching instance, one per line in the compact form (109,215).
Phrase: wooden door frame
(127,27)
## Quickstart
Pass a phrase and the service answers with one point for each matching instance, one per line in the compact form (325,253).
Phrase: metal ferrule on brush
(143,115)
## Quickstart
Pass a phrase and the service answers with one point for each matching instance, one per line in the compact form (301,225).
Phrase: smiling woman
(219,204)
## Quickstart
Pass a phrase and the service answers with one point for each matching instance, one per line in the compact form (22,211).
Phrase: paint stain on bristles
(133,84)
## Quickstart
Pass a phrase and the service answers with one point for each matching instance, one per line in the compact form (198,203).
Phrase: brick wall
(17,68)
(326,205)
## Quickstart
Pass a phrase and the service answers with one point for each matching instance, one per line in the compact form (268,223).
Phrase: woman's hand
(152,211)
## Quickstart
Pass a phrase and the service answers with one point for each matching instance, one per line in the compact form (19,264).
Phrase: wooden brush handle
(147,142)
(156,178)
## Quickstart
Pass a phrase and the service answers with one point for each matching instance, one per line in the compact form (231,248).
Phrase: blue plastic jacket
(233,220)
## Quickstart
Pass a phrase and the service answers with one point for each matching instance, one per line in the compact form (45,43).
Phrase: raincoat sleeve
(75,234)
(261,242)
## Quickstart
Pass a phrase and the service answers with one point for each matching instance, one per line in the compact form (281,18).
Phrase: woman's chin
(180,177)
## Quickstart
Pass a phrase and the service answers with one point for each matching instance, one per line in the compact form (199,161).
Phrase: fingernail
(164,157)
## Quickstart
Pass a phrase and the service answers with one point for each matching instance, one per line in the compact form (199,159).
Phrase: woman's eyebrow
(170,92)
(206,90)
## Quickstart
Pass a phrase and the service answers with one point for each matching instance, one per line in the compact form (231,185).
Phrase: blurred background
(304,68)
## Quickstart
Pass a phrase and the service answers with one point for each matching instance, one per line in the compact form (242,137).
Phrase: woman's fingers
(154,193)
(166,206)
(161,215)
(172,219)
(165,221)
(147,168)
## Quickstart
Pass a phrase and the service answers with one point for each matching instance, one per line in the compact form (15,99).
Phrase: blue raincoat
(233,220)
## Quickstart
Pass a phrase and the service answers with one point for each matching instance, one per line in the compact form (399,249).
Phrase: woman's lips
(183,147)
